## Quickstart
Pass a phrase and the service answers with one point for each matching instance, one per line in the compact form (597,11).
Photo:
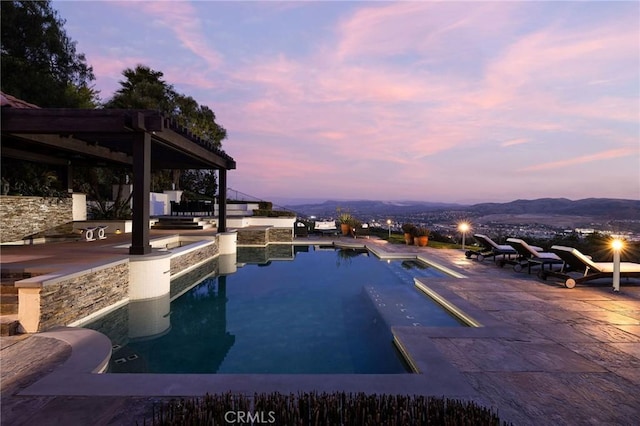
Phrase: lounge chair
(591,270)
(493,249)
(325,227)
(300,229)
(363,230)
(489,248)
(529,256)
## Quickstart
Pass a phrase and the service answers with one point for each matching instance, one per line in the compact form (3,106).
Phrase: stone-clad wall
(280,235)
(188,280)
(24,216)
(69,300)
(261,236)
(180,262)
(252,236)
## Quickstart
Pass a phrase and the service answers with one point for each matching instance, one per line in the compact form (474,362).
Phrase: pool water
(326,311)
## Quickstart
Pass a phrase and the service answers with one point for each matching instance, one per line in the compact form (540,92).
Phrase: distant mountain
(594,207)
(330,208)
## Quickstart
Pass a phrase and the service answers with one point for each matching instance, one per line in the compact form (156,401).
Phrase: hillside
(608,208)
(594,207)
(330,208)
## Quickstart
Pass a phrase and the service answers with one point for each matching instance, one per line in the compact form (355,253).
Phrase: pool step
(407,306)
(8,306)
(9,325)
(8,294)
(182,222)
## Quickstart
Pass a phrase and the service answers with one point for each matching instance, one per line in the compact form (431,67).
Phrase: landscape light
(389,225)
(617,246)
(463,227)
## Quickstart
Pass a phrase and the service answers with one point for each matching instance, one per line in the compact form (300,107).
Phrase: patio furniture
(300,229)
(101,232)
(88,233)
(325,227)
(531,257)
(363,230)
(493,249)
(579,262)
(204,207)
(490,248)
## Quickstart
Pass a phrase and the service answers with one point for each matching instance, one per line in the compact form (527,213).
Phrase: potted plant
(408,228)
(421,236)
(346,220)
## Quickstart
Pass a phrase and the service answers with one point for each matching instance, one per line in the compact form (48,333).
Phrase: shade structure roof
(143,139)
(104,136)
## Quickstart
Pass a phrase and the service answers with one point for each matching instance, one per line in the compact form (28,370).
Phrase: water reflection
(149,319)
(148,342)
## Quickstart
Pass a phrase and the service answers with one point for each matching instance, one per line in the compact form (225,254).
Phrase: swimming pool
(326,311)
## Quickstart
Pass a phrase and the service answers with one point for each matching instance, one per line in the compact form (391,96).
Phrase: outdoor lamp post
(616,245)
(463,227)
(389,225)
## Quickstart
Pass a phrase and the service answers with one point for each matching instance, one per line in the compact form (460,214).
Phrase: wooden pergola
(142,139)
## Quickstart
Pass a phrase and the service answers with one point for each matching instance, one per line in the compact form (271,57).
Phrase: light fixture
(617,245)
(389,226)
(463,227)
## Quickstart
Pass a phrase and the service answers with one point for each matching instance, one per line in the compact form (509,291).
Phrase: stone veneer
(180,262)
(186,281)
(280,235)
(24,216)
(67,300)
(263,235)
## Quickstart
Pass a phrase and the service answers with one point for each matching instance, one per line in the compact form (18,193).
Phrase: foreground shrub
(322,409)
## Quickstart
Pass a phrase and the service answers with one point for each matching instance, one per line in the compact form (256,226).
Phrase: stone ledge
(65,274)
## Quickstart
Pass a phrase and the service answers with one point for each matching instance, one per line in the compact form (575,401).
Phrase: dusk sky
(455,102)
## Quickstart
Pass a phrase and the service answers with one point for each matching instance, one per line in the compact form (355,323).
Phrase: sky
(459,102)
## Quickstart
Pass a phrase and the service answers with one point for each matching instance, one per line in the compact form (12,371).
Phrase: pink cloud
(184,20)
(384,29)
(600,156)
(513,142)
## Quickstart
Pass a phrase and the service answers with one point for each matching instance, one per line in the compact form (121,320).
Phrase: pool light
(617,245)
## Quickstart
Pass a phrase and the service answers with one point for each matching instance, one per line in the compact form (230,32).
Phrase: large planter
(421,241)
(408,238)
(345,228)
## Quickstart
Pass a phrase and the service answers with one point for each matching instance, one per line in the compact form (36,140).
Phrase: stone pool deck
(544,355)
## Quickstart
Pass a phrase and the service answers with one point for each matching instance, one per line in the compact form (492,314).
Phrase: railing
(235,195)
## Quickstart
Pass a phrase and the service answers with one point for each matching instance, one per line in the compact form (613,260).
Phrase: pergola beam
(73,121)
(35,157)
(76,146)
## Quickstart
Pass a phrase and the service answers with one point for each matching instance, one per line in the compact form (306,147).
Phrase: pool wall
(261,236)
(76,296)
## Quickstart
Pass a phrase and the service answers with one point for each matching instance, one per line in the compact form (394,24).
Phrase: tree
(39,61)
(98,183)
(145,88)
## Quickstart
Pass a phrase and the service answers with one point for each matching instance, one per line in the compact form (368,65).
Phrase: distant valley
(600,209)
